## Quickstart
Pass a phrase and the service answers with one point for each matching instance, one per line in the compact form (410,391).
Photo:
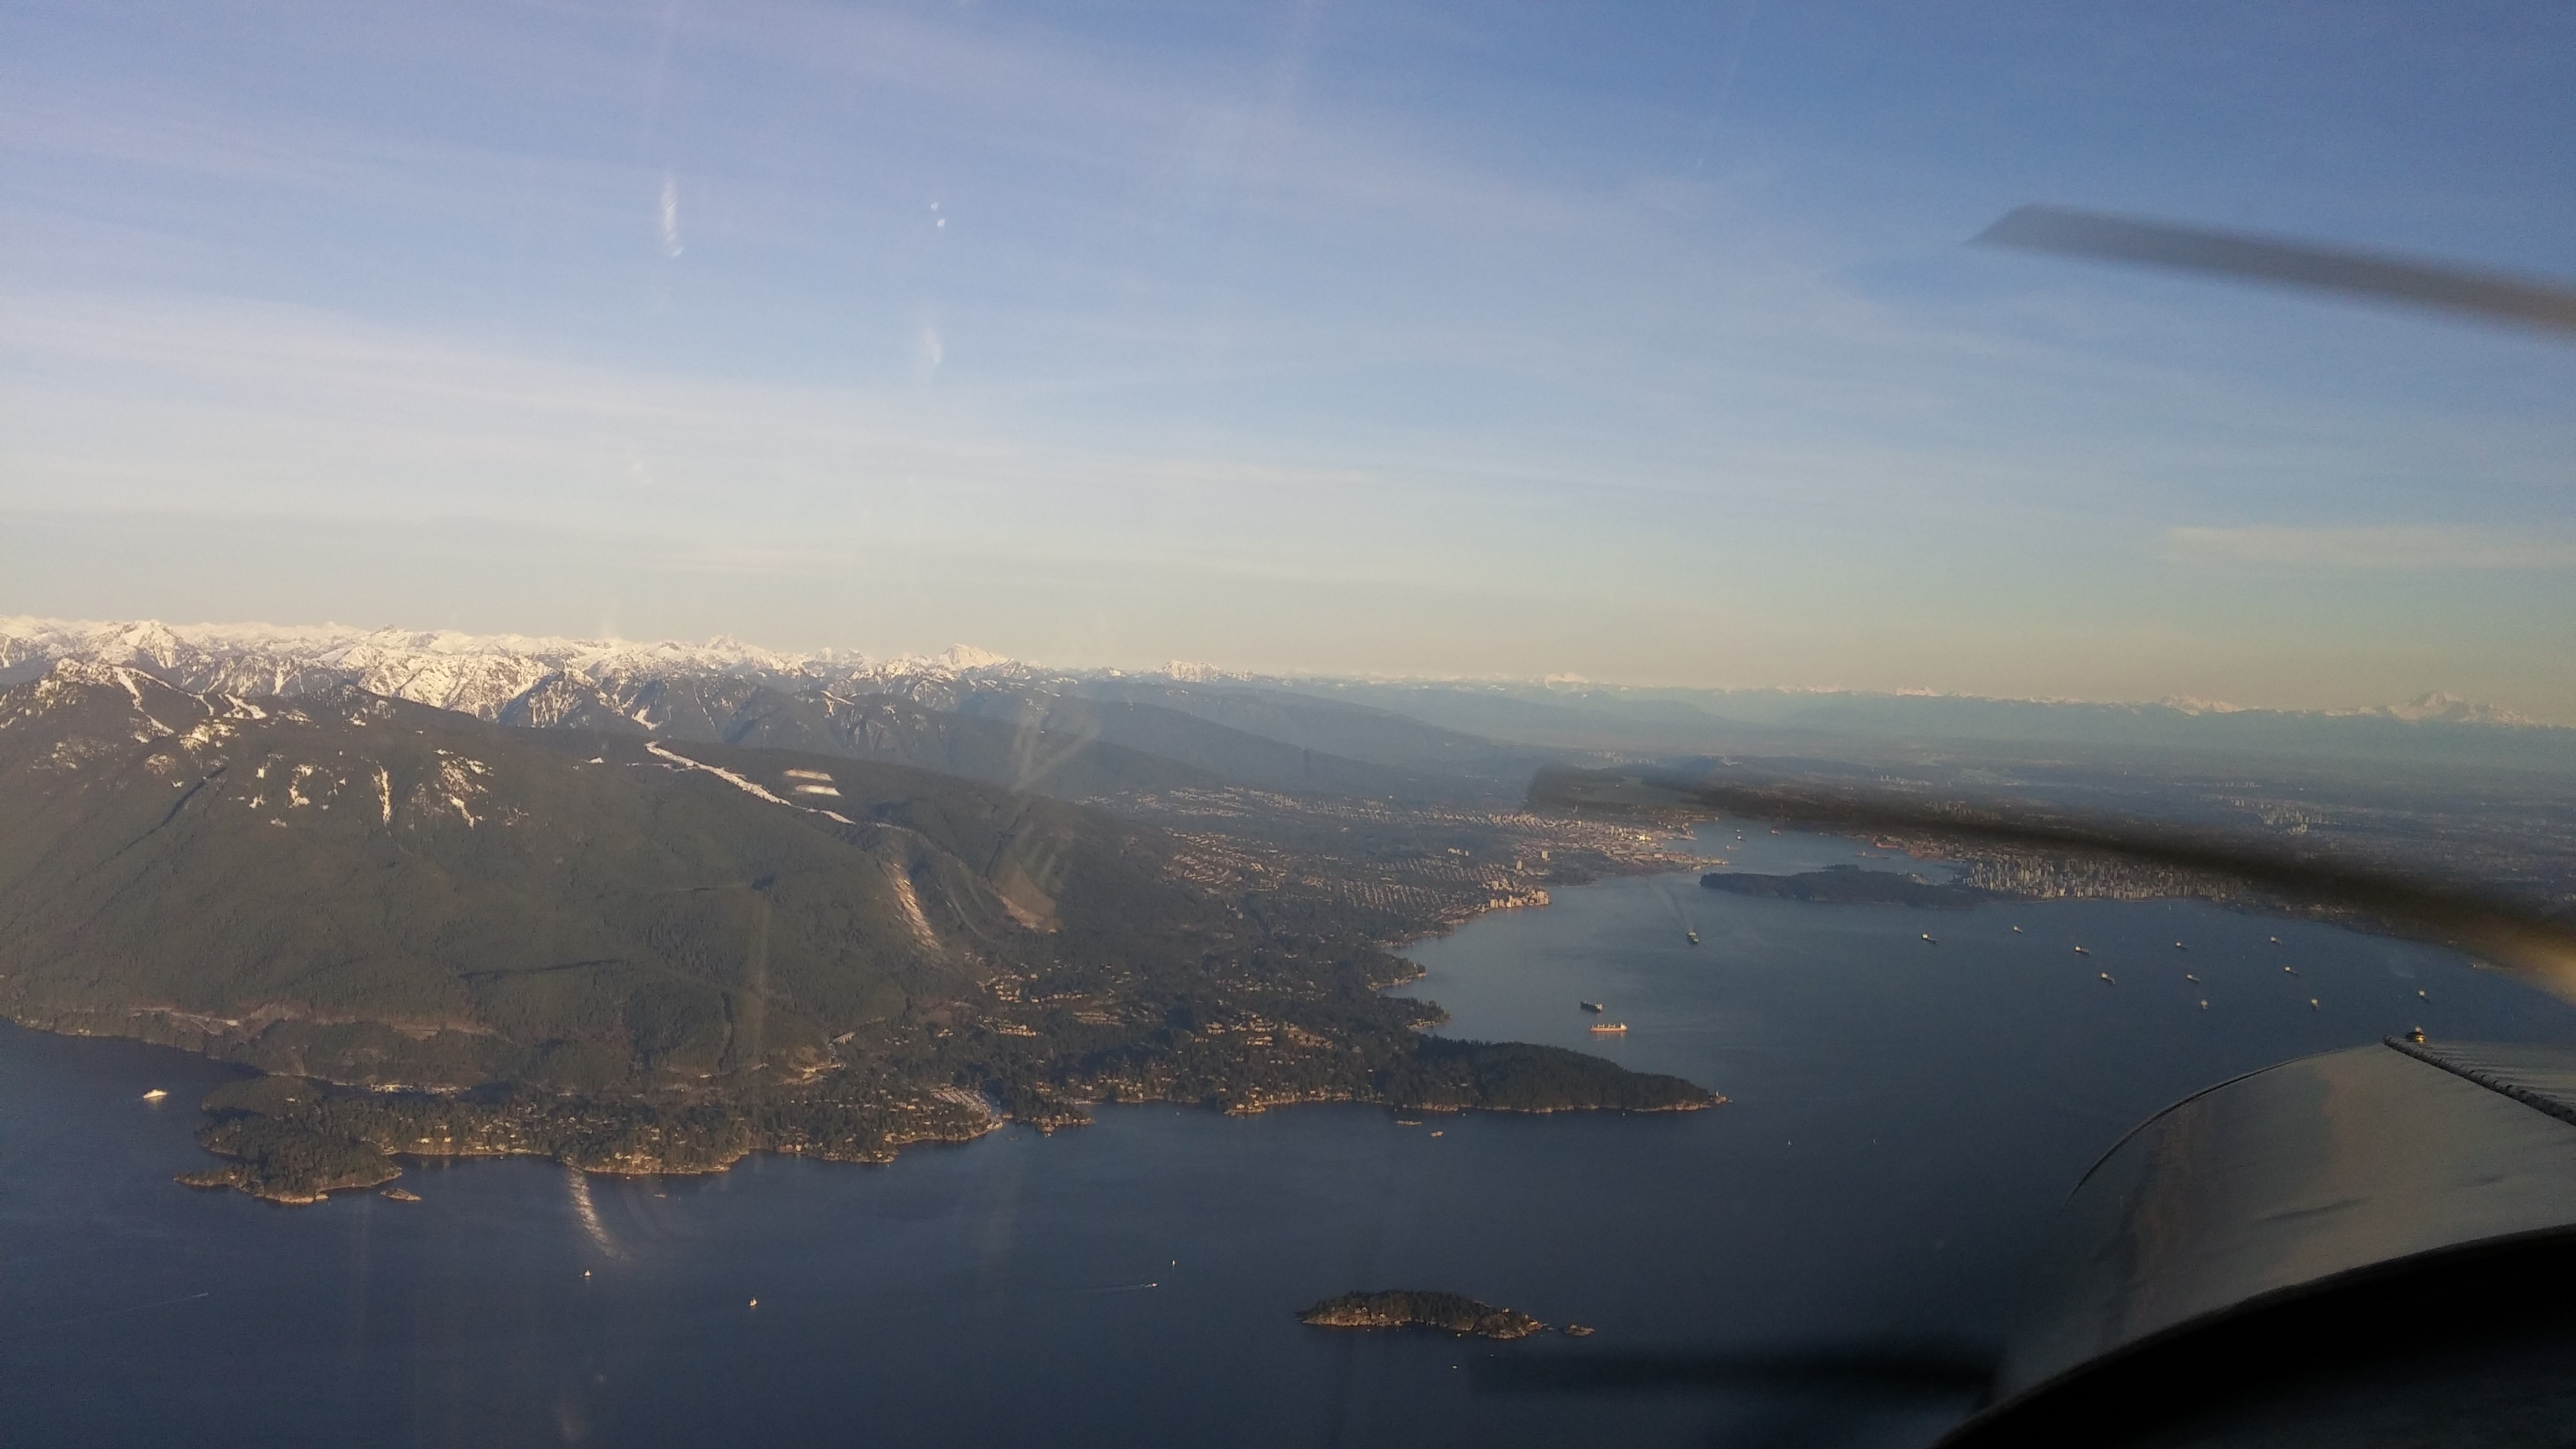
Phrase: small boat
(2080,951)
(1928,941)
(155,1095)
(2187,976)
(2106,979)
(1606,1027)
(1694,937)
(1591,1006)
(2179,946)
(2016,930)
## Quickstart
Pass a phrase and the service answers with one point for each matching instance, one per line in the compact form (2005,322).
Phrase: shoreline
(231,1174)
(883,1150)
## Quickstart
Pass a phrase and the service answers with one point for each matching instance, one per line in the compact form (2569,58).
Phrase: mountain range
(965,712)
(1401,739)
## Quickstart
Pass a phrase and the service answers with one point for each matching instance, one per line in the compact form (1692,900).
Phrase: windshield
(988,722)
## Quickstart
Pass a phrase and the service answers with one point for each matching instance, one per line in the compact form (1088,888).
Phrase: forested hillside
(390,896)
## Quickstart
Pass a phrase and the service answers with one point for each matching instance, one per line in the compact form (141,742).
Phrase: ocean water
(1904,1118)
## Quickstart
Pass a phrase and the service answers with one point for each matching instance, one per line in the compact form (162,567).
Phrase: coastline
(296,1139)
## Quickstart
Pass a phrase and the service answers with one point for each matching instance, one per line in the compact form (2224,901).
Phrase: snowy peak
(967,656)
(555,680)
(2433,708)
(621,684)
(2193,704)
(2440,708)
(128,694)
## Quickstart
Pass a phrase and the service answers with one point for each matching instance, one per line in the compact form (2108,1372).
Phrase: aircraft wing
(2352,1236)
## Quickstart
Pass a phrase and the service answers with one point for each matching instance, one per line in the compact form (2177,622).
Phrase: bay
(1904,1118)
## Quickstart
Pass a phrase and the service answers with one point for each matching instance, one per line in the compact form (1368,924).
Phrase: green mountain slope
(1336,727)
(1070,765)
(1027,738)
(359,886)
(1238,755)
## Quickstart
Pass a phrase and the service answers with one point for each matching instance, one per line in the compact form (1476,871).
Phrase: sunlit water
(1905,1117)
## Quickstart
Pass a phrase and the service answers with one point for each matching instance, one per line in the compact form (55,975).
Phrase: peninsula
(440,936)
(1849,885)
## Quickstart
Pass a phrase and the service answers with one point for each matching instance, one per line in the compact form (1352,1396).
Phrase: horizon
(1412,342)
(963,657)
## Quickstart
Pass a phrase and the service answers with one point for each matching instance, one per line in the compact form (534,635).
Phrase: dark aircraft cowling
(2383,1236)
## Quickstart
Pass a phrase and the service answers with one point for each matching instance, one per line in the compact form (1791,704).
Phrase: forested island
(1417,1308)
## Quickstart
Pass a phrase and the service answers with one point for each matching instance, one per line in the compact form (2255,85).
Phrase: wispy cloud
(1224,326)
(301,411)
(2384,547)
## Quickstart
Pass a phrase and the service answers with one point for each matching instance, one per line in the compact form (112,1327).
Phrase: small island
(1849,885)
(1416,1308)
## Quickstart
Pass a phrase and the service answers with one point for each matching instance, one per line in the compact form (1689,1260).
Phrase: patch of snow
(677,761)
(728,776)
(910,901)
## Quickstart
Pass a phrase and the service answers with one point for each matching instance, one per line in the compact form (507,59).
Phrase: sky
(1634,342)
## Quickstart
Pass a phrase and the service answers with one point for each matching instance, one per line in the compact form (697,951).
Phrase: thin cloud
(2383,548)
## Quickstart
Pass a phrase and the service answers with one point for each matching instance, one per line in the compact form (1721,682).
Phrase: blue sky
(1638,343)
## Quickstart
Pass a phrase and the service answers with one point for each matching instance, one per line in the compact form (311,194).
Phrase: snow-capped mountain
(532,680)
(964,712)
(724,687)
(2438,707)
(2433,708)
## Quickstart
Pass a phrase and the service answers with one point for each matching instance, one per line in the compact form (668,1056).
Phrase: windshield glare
(1002,721)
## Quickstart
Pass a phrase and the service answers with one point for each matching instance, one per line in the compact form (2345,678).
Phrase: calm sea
(1905,1117)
